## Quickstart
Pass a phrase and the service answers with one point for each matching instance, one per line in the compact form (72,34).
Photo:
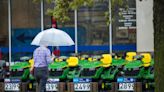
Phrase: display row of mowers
(98,73)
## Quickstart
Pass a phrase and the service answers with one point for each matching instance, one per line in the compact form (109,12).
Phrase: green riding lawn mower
(97,73)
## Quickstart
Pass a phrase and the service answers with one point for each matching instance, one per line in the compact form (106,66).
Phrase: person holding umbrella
(42,57)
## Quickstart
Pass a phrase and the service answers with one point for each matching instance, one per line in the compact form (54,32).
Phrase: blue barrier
(129,47)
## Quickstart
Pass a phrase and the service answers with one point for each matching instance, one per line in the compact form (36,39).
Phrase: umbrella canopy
(52,37)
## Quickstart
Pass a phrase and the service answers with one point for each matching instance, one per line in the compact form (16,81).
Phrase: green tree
(62,7)
(159,44)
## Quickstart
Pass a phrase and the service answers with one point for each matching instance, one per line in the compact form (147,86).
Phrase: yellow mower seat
(72,61)
(130,56)
(82,58)
(146,59)
(106,60)
(90,59)
(31,61)
(58,60)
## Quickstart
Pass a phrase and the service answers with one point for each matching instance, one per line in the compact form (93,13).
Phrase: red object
(53,22)
(56,52)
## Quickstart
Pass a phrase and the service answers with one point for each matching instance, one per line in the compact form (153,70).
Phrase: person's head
(56,47)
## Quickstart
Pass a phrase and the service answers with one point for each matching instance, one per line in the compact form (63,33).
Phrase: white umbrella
(52,37)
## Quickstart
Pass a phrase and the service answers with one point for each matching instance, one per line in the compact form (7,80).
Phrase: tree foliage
(61,8)
(115,4)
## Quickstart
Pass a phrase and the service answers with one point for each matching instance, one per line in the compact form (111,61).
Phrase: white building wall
(145,29)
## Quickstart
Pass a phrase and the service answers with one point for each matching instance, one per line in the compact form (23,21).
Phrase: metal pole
(76,47)
(42,14)
(110,27)
(9,29)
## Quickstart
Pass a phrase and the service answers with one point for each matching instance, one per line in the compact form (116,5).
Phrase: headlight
(20,69)
(136,68)
(124,68)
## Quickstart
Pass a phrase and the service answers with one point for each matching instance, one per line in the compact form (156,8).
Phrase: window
(4,30)
(25,25)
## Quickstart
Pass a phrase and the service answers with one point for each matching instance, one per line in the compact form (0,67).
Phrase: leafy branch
(62,7)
